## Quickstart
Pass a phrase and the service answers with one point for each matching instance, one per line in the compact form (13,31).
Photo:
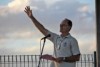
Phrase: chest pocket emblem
(65,44)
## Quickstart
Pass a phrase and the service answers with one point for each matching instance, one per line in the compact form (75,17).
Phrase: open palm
(28,11)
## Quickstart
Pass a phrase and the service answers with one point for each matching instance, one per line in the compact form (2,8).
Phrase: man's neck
(64,34)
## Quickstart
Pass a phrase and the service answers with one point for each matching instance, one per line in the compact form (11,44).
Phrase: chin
(61,32)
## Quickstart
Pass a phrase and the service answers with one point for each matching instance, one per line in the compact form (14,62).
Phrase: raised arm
(37,23)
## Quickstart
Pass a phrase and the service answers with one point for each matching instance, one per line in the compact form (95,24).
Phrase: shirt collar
(66,36)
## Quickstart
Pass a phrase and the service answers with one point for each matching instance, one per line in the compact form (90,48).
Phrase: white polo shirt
(64,47)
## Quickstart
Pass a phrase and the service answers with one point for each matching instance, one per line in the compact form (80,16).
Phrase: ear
(69,28)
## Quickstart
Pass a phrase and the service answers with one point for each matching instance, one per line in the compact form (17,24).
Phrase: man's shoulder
(72,38)
(52,33)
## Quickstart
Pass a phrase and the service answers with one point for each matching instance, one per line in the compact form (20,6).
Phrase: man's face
(64,27)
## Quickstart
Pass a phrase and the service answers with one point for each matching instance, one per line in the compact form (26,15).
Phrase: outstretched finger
(28,7)
(25,11)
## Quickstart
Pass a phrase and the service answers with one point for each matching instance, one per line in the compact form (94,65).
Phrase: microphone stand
(41,52)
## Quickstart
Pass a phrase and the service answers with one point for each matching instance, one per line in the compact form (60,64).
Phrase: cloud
(5,51)
(15,6)
(35,49)
(28,49)
(21,34)
(87,44)
(3,10)
(51,2)
(83,8)
(19,29)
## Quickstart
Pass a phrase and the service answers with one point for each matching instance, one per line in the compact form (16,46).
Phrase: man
(66,48)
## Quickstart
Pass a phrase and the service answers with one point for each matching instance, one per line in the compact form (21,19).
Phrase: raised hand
(41,28)
(28,11)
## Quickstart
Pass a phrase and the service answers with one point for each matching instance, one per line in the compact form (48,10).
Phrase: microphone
(46,36)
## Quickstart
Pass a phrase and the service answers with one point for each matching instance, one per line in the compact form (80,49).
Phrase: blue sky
(18,35)
(4,2)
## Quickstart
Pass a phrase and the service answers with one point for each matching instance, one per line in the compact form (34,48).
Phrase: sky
(18,35)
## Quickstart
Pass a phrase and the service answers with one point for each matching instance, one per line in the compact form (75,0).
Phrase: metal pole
(95,65)
(41,53)
(98,31)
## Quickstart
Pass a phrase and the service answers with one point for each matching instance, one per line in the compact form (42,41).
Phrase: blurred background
(18,35)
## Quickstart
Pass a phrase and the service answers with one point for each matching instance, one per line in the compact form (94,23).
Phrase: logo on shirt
(65,44)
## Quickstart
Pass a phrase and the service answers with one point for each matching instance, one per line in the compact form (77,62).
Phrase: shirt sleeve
(74,47)
(52,36)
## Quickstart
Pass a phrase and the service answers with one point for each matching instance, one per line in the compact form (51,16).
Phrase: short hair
(69,22)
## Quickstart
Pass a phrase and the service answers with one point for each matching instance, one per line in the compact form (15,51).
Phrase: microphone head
(49,35)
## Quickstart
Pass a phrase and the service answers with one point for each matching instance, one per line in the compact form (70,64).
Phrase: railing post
(0,62)
(95,63)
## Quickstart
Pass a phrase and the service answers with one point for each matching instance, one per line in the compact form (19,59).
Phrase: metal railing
(86,60)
